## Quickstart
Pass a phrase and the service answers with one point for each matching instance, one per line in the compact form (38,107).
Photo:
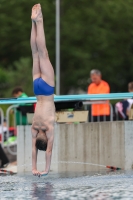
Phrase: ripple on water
(109,186)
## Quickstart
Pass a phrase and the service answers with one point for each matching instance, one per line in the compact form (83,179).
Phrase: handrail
(100,102)
(7,116)
(83,97)
(2,119)
(86,98)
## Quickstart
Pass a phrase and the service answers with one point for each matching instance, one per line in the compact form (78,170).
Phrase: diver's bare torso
(44,116)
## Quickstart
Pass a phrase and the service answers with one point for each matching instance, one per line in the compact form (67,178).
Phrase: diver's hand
(35,172)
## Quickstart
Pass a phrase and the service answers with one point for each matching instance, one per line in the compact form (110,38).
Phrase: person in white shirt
(124,106)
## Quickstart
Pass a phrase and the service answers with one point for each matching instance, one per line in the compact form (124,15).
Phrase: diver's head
(41,141)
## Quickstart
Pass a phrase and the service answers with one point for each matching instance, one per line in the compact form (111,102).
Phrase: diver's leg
(47,72)
(36,67)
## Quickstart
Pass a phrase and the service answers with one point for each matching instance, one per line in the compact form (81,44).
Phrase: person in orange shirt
(100,112)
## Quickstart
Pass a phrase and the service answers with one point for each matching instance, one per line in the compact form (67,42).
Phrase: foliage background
(94,34)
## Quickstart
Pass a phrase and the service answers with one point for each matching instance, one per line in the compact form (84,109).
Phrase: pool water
(99,186)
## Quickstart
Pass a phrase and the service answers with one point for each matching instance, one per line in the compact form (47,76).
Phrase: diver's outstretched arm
(50,136)
(34,158)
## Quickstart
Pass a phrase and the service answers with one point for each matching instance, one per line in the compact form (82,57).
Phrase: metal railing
(8,121)
(2,120)
(100,102)
(86,99)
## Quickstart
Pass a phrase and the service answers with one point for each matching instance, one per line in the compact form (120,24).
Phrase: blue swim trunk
(42,88)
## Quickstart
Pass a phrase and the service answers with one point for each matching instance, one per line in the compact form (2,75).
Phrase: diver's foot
(36,13)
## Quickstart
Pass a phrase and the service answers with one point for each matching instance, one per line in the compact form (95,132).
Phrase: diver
(43,85)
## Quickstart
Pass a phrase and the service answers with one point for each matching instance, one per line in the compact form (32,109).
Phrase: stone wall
(81,147)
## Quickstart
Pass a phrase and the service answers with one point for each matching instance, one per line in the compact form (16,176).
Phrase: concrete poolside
(79,147)
(104,143)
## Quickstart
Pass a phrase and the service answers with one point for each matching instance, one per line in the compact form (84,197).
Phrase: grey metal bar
(7,116)
(116,112)
(98,115)
(57,47)
(2,119)
(111,112)
(100,102)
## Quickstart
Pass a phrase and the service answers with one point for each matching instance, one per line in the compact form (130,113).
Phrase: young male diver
(43,84)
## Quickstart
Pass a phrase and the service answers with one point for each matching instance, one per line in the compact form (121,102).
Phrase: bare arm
(34,154)
(49,152)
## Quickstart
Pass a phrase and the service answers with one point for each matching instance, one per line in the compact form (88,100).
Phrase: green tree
(15,52)
(94,34)
(15,28)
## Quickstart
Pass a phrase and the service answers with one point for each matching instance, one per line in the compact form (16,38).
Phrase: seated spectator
(100,112)
(3,158)
(18,92)
(123,107)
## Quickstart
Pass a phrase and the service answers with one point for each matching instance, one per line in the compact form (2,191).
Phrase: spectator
(100,112)
(123,107)
(20,118)
(3,158)
(18,92)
